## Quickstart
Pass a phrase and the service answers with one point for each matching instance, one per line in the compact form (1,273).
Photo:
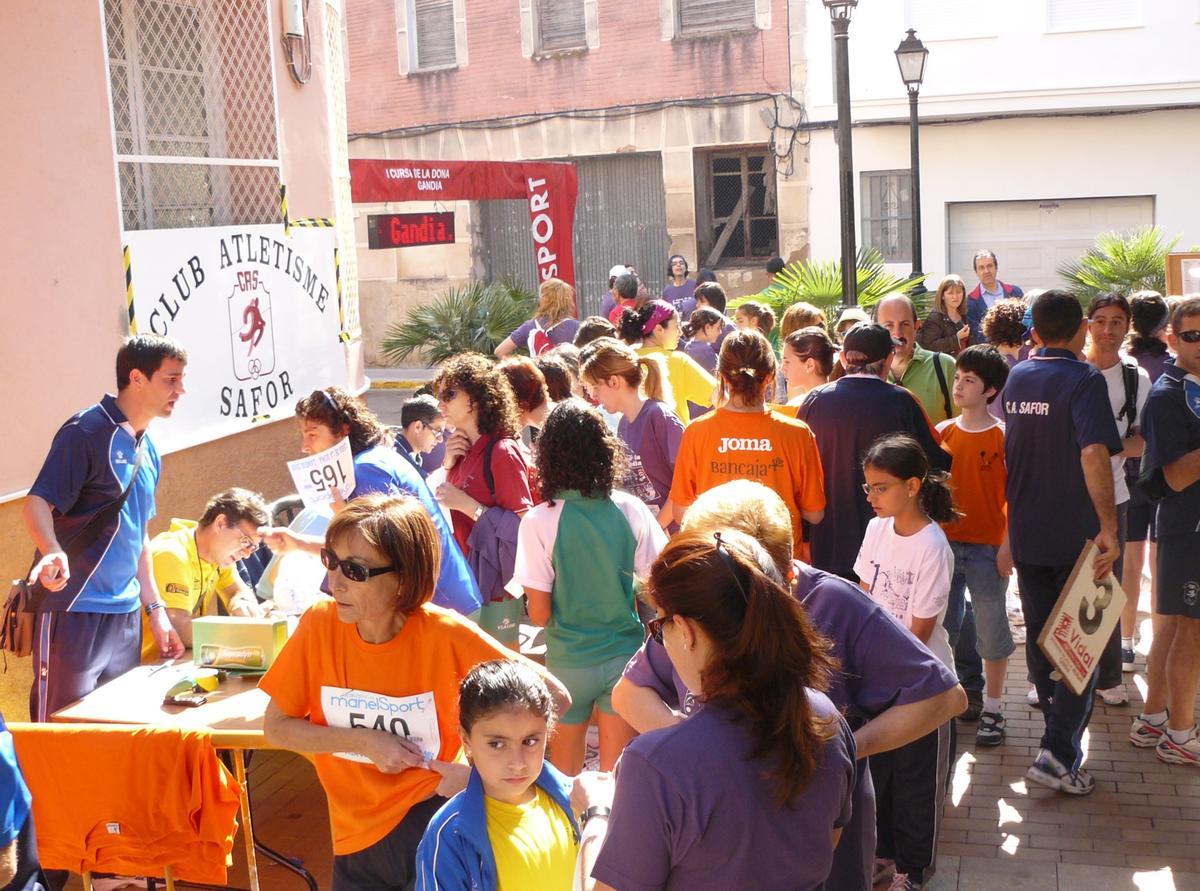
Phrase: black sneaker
(1127,657)
(991,729)
(974,706)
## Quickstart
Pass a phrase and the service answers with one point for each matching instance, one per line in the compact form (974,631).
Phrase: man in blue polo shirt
(87,628)
(1171,463)
(1059,436)
(846,416)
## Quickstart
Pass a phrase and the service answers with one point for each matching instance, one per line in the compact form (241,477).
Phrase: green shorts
(590,686)
(502,619)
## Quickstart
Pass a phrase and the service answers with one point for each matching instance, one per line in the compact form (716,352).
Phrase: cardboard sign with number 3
(318,475)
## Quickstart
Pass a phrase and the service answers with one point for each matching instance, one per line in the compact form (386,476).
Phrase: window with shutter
(706,16)
(887,213)
(1089,15)
(434,23)
(561,25)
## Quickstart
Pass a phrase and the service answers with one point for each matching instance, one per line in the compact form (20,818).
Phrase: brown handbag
(20,609)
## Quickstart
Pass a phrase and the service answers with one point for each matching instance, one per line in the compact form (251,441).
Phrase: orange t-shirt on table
(763,447)
(978,477)
(330,675)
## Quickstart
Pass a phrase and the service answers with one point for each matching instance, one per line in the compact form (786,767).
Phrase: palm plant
(471,319)
(819,282)
(1120,262)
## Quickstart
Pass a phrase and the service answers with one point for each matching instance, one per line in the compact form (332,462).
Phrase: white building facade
(1043,123)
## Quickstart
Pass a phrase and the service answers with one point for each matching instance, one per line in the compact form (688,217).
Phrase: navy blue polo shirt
(846,416)
(90,463)
(1171,425)
(1054,407)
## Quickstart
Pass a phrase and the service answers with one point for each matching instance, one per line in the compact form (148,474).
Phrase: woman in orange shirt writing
(368,685)
(744,439)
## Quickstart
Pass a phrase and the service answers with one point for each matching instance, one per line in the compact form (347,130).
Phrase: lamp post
(839,16)
(910,56)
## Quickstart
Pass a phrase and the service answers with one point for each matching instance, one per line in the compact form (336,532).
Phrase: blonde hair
(800,315)
(556,300)
(939,300)
(608,357)
(749,507)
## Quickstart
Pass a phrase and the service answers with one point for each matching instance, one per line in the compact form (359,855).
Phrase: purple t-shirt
(563,332)
(703,353)
(725,332)
(882,665)
(607,303)
(996,406)
(693,811)
(682,297)
(652,441)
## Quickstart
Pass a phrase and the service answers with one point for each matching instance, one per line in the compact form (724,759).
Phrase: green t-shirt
(921,379)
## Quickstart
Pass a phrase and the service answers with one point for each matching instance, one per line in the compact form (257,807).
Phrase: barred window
(193,103)
(434,22)
(561,25)
(706,16)
(736,206)
(887,213)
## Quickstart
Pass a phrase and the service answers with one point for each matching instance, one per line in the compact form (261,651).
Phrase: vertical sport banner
(257,312)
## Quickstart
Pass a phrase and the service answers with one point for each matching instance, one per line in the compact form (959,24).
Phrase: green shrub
(1122,263)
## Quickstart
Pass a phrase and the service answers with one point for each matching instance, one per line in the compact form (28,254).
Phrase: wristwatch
(478,513)
(149,608)
(596,810)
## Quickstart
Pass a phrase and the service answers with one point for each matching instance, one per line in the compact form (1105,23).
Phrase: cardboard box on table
(1082,622)
(237,643)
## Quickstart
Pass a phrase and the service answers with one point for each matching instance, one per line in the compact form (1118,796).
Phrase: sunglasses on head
(655,627)
(354,570)
(1192,336)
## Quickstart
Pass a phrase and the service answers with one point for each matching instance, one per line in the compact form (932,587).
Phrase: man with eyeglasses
(1171,466)
(422,427)
(194,562)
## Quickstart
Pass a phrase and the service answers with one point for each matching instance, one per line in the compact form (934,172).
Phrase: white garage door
(1032,238)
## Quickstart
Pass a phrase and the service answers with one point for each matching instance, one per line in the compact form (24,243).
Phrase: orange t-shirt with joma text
(409,685)
(978,477)
(763,447)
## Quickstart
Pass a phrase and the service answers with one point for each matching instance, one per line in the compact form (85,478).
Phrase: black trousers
(391,863)
(911,783)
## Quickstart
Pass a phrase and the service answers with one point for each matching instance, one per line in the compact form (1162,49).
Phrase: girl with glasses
(906,565)
(577,555)
(368,685)
(752,790)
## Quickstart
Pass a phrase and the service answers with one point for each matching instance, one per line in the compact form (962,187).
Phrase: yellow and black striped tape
(343,334)
(283,210)
(314,222)
(129,291)
(259,418)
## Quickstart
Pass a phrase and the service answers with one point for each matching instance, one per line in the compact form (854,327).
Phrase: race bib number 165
(413,717)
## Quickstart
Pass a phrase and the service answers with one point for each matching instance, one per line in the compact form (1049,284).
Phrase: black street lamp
(839,15)
(910,56)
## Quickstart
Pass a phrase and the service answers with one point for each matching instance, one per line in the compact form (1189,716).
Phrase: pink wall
(632,65)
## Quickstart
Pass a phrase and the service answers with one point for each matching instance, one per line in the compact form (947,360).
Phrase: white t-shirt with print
(909,576)
(1115,381)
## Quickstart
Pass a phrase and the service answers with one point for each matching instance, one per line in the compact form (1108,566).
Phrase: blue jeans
(1066,714)
(991,637)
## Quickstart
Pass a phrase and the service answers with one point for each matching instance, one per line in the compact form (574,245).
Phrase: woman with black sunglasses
(753,789)
(368,685)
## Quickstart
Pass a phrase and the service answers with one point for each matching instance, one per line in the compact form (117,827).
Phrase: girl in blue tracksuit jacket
(512,827)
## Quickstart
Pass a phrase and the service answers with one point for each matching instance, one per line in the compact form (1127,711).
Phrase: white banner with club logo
(257,312)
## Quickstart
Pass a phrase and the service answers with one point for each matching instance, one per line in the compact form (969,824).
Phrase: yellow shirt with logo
(184,580)
(533,843)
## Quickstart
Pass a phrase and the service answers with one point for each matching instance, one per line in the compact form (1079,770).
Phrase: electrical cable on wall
(297,46)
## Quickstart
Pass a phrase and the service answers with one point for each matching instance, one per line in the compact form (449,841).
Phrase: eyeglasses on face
(439,433)
(246,542)
(1192,336)
(354,570)
(879,488)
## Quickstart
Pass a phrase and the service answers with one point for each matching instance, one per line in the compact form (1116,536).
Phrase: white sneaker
(1114,695)
(1032,697)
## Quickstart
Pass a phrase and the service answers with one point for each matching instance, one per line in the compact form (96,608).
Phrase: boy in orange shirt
(979,539)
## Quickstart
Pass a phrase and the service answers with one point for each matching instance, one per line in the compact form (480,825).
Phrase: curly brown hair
(335,408)
(1004,324)
(578,451)
(493,400)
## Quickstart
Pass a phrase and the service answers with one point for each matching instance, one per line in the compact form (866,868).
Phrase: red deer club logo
(251,336)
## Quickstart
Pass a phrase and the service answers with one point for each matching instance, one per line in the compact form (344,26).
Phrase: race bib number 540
(413,717)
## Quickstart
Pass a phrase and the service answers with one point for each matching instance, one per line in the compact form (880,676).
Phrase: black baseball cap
(866,343)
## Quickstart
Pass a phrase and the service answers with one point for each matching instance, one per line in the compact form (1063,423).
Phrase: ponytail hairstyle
(608,357)
(813,343)
(702,317)
(761,314)
(766,654)
(746,365)
(901,456)
(639,323)
(1148,317)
